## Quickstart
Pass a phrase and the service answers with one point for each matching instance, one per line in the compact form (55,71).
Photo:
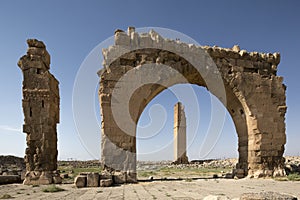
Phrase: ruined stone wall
(249,88)
(41,114)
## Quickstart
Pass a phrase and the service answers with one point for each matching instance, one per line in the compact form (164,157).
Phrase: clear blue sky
(71,30)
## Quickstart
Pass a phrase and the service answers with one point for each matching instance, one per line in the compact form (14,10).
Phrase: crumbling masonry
(140,66)
(180,156)
(41,114)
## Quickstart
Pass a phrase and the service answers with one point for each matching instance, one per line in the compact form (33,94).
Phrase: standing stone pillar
(41,114)
(180,135)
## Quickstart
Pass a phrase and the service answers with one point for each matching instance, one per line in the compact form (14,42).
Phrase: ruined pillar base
(181,160)
(239,173)
(42,178)
(124,177)
(264,173)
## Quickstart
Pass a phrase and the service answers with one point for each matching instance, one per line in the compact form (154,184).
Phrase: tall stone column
(41,114)
(180,135)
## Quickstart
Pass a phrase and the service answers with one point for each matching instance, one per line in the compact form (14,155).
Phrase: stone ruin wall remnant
(180,149)
(41,114)
(255,97)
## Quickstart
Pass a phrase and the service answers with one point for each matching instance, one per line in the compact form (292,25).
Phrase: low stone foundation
(42,178)
(105,179)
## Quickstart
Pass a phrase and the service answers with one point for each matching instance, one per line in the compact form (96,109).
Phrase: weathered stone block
(121,38)
(131,177)
(80,181)
(93,179)
(105,175)
(119,177)
(106,182)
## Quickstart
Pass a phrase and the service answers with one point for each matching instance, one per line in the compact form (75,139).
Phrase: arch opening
(197,132)
(155,128)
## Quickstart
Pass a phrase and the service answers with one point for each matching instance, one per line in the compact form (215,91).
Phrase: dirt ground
(185,189)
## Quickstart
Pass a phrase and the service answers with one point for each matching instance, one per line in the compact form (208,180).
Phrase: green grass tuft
(293,177)
(6,196)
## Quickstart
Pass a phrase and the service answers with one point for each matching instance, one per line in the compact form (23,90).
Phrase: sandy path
(196,189)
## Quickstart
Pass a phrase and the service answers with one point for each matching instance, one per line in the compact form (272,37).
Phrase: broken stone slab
(56,179)
(8,179)
(93,179)
(106,182)
(105,175)
(267,196)
(80,181)
(119,177)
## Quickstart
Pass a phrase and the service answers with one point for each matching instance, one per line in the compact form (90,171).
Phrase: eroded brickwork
(41,114)
(134,72)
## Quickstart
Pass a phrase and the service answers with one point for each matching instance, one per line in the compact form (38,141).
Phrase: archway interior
(155,126)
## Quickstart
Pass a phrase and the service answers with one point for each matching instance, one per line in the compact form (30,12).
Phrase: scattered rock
(56,179)
(214,197)
(106,183)
(228,175)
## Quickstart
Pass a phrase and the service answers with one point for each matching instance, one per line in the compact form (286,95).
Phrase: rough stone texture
(119,177)
(80,181)
(105,175)
(106,182)
(92,179)
(134,73)
(41,114)
(267,196)
(180,156)
(8,179)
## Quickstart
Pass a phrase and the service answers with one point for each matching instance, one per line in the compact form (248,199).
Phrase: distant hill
(12,161)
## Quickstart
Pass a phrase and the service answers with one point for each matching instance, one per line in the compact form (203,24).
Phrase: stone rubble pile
(12,169)
(94,179)
(292,164)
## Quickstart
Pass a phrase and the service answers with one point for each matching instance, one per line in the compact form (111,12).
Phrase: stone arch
(250,90)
